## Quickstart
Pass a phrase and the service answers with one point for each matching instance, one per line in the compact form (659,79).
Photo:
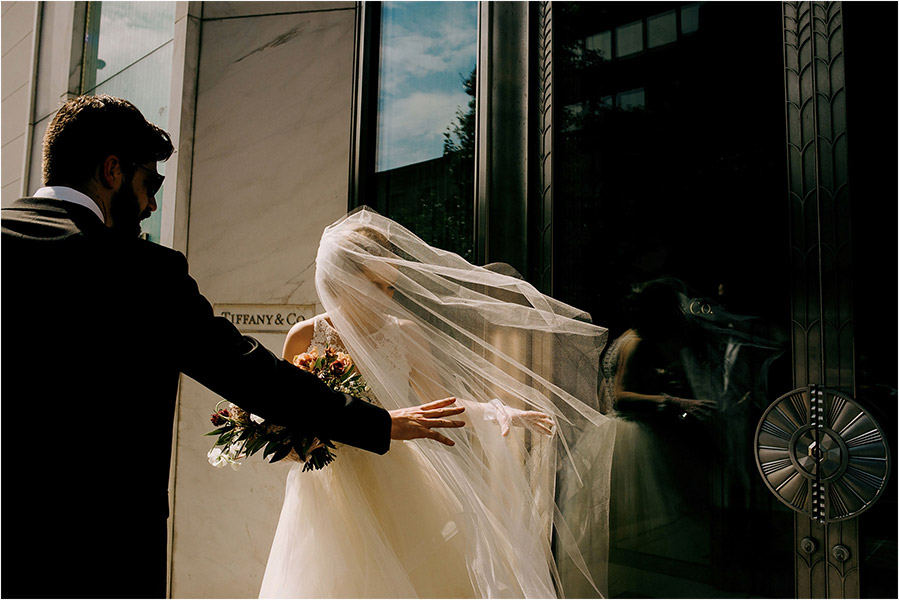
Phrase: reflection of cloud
(427,48)
(412,55)
(427,38)
(412,127)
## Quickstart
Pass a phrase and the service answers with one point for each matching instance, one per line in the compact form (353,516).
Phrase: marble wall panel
(55,57)
(14,129)
(17,42)
(224,520)
(15,112)
(272,149)
(270,168)
(13,159)
(17,65)
(17,21)
(175,207)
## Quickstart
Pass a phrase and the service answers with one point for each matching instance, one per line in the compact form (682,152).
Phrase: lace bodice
(325,336)
(391,353)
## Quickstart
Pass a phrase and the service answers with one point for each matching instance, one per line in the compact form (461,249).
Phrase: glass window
(661,226)
(119,34)
(601,43)
(631,99)
(128,53)
(424,161)
(630,39)
(689,18)
(662,29)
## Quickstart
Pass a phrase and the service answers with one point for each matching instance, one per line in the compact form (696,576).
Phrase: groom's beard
(126,212)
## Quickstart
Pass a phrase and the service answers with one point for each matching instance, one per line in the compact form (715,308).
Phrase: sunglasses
(153,180)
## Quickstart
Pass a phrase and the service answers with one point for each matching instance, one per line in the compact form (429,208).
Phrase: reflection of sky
(135,45)
(131,30)
(427,48)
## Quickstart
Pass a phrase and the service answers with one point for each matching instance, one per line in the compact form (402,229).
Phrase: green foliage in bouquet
(241,434)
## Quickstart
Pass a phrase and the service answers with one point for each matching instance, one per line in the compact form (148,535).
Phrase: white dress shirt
(67,194)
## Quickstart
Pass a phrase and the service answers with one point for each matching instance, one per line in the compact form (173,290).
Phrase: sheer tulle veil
(532,509)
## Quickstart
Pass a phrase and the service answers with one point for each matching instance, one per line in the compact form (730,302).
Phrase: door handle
(822,454)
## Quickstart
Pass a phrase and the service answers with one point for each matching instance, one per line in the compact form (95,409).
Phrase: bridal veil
(532,510)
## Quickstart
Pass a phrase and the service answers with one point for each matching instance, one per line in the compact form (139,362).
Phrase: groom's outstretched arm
(421,421)
(237,367)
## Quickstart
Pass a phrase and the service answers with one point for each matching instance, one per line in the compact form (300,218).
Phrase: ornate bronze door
(657,159)
(838,455)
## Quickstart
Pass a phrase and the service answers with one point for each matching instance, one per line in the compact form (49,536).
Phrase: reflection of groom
(97,325)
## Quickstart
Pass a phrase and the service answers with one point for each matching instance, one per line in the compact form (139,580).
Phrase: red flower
(218,419)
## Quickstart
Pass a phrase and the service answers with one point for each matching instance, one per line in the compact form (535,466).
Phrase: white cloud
(408,55)
(411,128)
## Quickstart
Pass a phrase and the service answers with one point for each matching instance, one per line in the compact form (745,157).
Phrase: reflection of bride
(482,518)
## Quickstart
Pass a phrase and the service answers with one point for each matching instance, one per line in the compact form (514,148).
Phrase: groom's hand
(420,421)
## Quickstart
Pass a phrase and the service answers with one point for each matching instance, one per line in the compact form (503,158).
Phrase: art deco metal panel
(818,194)
(820,258)
(541,214)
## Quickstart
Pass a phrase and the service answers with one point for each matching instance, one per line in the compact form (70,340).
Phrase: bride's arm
(626,397)
(426,384)
(298,339)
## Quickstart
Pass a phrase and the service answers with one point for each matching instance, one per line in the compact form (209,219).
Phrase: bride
(487,517)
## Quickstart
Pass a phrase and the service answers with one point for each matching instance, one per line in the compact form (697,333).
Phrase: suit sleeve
(240,369)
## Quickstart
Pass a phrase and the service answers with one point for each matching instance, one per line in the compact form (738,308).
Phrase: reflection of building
(431,199)
(616,142)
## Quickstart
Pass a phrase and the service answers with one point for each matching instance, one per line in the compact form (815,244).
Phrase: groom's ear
(110,172)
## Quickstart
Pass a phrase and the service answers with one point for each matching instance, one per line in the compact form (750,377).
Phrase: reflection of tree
(458,151)
(458,139)
(435,198)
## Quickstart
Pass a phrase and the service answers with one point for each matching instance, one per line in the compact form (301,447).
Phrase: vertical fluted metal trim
(541,234)
(821,295)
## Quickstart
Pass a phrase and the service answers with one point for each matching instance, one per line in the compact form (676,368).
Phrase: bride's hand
(701,409)
(420,421)
(506,416)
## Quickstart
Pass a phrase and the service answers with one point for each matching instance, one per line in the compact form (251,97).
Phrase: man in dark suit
(97,324)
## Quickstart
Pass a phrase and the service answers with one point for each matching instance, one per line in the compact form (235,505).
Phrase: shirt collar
(67,194)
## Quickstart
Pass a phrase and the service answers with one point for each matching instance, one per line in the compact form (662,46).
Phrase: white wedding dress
(516,516)
(372,526)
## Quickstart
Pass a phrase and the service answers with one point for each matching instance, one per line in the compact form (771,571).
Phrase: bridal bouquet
(242,434)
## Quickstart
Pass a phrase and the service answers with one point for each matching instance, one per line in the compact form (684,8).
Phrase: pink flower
(305,360)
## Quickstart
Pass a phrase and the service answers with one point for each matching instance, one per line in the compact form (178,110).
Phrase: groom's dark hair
(87,129)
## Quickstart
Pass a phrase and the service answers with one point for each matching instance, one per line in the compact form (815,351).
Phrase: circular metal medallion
(822,454)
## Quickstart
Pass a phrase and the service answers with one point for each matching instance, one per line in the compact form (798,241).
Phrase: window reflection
(662,29)
(668,187)
(120,34)
(631,99)
(689,18)
(630,39)
(424,164)
(600,43)
(128,53)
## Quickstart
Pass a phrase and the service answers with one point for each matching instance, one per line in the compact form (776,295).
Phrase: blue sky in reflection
(426,50)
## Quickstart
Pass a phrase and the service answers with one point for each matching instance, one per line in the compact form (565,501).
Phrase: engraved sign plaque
(264,318)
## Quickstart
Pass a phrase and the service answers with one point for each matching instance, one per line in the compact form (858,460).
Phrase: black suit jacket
(96,328)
